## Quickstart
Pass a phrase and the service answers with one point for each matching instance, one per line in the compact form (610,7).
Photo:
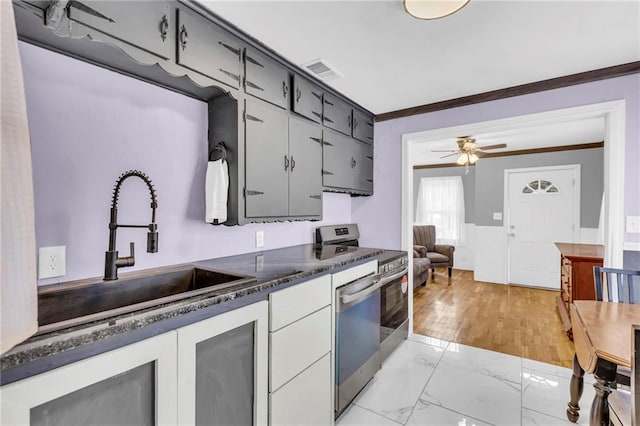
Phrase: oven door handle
(395,276)
(375,286)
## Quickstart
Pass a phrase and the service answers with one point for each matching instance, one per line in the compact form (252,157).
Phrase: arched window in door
(540,186)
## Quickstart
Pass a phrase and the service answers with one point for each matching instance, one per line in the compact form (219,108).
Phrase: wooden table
(602,341)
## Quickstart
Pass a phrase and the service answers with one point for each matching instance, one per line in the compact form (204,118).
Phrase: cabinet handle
(293,163)
(285,89)
(298,94)
(184,37)
(355,123)
(353,163)
(164,27)
(286,163)
(349,120)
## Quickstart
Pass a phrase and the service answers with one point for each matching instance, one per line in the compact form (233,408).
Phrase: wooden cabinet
(576,276)
(135,384)
(222,369)
(305,169)
(266,79)
(208,49)
(300,379)
(142,24)
(307,99)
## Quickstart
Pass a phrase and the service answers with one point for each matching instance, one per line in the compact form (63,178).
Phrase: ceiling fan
(468,151)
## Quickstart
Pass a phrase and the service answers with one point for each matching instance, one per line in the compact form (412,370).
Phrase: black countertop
(274,270)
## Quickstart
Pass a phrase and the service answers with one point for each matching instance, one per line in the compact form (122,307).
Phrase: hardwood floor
(513,320)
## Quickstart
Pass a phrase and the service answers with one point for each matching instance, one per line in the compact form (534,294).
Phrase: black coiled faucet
(112,261)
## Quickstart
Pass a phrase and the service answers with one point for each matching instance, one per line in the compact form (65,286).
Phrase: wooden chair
(626,284)
(624,407)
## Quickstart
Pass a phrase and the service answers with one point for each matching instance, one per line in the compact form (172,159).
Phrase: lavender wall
(88,125)
(379,216)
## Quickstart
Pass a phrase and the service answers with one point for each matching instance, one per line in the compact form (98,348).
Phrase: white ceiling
(558,134)
(392,61)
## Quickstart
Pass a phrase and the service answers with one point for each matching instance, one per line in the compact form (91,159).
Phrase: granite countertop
(274,270)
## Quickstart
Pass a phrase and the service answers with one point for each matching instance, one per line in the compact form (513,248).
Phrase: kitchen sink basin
(75,303)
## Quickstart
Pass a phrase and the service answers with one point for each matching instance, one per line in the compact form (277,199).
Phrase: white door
(542,208)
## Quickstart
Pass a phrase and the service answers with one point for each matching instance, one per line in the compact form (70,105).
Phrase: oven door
(394,312)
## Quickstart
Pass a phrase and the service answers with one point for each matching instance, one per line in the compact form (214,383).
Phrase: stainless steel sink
(75,303)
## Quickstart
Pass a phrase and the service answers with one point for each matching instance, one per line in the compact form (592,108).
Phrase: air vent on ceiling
(323,69)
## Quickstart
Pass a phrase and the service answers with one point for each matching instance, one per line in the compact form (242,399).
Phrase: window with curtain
(441,203)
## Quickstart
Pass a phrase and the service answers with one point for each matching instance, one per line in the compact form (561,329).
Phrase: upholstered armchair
(424,243)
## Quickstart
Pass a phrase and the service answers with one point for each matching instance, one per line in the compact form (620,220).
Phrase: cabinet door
(266,160)
(208,49)
(307,99)
(362,126)
(143,24)
(338,160)
(135,384)
(336,115)
(305,179)
(266,79)
(222,369)
(364,167)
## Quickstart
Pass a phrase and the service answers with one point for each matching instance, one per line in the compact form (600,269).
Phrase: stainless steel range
(372,313)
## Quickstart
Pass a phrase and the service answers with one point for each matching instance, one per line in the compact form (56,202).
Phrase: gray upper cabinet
(362,126)
(266,79)
(337,152)
(336,115)
(347,164)
(143,24)
(307,99)
(208,49)
(305,177)
(266,161)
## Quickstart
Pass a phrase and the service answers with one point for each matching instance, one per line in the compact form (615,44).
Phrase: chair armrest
(447,250)
(419,251)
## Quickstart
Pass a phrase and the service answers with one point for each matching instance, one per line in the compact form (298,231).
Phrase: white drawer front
(299,345)
(352,274)
(306,400)
(293,303)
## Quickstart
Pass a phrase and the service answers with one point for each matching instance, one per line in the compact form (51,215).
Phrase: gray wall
(468,183)
(484,184)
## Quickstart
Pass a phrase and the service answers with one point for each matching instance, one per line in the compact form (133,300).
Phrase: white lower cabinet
(135,384)
(223,367)
(300,373)
(212,372)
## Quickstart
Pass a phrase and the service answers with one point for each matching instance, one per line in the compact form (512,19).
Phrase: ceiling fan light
(433,9)
(462,159)
(473,158)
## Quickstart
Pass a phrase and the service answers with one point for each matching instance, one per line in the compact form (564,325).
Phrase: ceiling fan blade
(449,155)
(496,146)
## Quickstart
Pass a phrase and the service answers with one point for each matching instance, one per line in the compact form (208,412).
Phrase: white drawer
(306,400)
(293,303)
(298,345)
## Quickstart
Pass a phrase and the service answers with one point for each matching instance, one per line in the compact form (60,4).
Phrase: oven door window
(394,306)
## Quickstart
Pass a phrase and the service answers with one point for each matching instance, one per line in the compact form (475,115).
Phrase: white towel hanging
(216,190)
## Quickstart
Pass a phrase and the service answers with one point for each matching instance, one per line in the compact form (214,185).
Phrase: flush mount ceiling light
(433,9)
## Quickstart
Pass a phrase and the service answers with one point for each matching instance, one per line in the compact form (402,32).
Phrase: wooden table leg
(575,390)
(605,374)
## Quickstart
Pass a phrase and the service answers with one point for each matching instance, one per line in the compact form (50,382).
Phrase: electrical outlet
(633,224)
(259,239)
(52,262)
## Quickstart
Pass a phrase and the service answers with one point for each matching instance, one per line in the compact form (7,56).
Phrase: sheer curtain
(441,203)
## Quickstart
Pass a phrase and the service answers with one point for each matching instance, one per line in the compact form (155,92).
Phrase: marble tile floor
(428,381)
